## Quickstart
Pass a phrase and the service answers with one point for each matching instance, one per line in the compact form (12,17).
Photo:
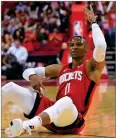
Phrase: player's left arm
(98,60)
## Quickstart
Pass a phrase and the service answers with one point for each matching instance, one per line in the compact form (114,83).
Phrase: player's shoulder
(62,68)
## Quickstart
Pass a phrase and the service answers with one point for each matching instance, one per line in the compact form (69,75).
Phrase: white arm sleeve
(31,71)
(99,42)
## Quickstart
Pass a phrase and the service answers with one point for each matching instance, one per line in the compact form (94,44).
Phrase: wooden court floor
(100,119)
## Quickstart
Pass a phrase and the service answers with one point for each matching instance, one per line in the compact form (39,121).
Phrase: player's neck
(77,62)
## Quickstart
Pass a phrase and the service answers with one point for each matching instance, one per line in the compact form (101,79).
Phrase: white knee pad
(63,112)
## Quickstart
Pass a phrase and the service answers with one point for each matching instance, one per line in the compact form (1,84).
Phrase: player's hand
(36,83)
(90,15)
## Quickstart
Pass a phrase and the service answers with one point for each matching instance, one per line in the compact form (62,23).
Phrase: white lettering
(77,75)
(80,75)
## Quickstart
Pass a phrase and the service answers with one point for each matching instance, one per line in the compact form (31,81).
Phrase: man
(76,82)
(15,59)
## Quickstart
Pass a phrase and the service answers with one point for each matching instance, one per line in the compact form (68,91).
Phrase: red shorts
(43,103)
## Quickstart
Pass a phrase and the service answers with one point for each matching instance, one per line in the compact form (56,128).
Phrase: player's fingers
(87,11)
(36,87)
(91,8)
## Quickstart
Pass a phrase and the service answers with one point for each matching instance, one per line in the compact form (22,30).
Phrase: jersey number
(67,88)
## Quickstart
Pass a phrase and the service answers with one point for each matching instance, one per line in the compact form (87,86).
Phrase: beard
(75,56)
(78,57)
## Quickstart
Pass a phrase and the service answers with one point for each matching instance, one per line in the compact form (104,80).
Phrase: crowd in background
(28,26)
(34,21)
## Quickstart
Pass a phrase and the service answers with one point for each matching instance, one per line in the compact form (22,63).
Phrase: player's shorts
(43,103)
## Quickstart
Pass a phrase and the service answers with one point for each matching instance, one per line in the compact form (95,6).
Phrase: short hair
(78,36)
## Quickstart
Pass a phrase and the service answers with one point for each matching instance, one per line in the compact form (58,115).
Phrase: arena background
(44,29)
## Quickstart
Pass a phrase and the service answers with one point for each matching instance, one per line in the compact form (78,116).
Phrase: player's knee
(60,109)
(62,106)
(65,103)
(68,101)
(8,86)
(68,107)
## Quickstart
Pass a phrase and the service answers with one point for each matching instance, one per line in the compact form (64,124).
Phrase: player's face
(78,47)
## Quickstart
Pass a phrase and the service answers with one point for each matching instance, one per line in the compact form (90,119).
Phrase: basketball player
(76,83)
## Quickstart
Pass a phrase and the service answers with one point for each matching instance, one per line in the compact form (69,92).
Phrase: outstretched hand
(90,14)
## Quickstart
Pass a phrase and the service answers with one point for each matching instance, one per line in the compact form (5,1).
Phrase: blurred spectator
(14,60)
(51,25)
(42,36)
(12,26)
(64,17)
(33,10)
(19,51)
(56,37)
(31,34)
(19,33)
(4,47)
(28,44)
(21,7)
(8,39)
(6,42)
(2,29)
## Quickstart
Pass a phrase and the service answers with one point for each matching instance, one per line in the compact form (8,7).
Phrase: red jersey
(76,84)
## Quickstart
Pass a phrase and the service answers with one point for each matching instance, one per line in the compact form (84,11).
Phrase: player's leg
(18,95)
(56,114)
(62,113)
(28,100)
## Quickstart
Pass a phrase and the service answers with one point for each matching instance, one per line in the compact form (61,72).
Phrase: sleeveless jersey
(77,85)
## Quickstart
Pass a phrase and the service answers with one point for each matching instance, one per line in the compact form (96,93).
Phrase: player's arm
(98,60)
(35,75)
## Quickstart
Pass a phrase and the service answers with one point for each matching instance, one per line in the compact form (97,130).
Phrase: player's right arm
(35,75)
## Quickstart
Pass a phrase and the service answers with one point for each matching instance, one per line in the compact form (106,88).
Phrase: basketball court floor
(100,119)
